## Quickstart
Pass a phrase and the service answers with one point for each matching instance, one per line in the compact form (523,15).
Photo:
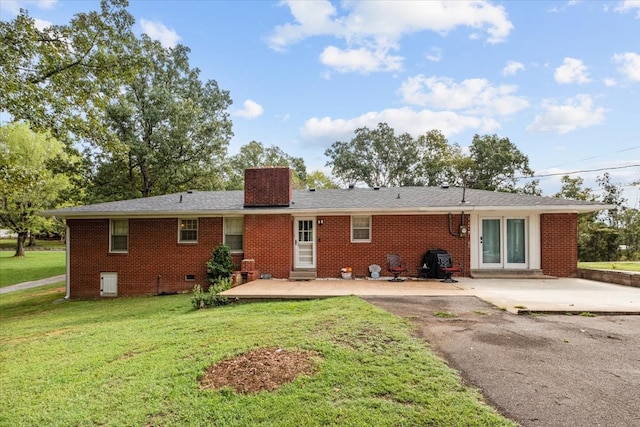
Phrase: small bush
(212,297)
(220,266)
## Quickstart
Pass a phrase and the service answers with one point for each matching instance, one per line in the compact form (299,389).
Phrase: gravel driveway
(550,370)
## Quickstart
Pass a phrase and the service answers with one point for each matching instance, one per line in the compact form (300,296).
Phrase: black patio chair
(445,264)
(396,267)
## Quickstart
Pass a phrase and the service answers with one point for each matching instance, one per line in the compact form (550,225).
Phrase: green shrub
(211,297)
(220,266)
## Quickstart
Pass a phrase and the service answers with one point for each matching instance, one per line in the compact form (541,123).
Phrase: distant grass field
(137,362)
(35,265)
(611,265)
(10,244)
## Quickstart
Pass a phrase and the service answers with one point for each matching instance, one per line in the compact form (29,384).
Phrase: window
(360,228)
(234,233)
(119,241)
(188,231)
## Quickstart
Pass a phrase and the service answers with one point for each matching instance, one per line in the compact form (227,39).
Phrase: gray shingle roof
(392,200)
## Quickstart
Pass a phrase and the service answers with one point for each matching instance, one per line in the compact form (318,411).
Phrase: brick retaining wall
(625,278)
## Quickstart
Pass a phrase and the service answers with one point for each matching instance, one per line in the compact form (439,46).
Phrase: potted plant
(345,272)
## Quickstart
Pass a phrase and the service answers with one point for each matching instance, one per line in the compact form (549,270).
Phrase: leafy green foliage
(220,266)
(59,78)
(212,297)
(496,164)
(253,155)
(29,180)
(173,128)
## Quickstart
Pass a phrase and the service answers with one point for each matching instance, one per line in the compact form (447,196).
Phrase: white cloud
(12,7)
(377,26)
(577,112)
(477,96)
(251,110)
(434,55)
(572,71)
(41,24)
(629,5)
(629,65)
(415,122)
(359,60)
(512,68)
(609,82)
(158,31)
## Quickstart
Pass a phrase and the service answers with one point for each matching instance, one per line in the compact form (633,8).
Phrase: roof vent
(351,186)
(312,189)
(376,188)
(189,191)
(445,185)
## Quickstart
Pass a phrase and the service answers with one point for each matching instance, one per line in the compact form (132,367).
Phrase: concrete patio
(514,295)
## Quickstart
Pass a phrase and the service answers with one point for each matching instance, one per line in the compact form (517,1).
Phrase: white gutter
(68,268)
(339,211)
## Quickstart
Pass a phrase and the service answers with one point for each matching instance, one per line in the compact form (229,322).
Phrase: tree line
(100,114)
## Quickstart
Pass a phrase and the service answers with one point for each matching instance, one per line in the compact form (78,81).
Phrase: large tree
(30,179)
(376,157)
(254,154)
(59,78)
(497,165)
(172,128)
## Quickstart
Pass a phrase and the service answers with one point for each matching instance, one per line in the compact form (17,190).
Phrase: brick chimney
(268,187)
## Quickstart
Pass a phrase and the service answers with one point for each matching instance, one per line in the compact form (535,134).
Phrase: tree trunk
(32,240)
(22,237)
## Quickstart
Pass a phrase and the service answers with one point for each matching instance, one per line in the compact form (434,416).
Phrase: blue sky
(560,79)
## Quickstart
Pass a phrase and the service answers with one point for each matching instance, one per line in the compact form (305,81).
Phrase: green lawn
(10,244)
(611,265)
(137,361)
(35,265)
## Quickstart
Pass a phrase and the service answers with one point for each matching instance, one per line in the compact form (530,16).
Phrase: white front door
(304,245)
(503,243)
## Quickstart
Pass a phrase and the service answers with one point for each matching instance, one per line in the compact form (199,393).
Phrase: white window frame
(111,235)
(353,228)
(180,229)
(224,233)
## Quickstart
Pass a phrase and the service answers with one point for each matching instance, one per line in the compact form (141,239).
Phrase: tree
(59,78)
(173,129)
(439,161)
(377,158)
(572,189)
(496,165)
(612,195)
(29,181)
(253,155)
(319,180)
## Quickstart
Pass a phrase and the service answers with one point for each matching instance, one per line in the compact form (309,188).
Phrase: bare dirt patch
(265,369)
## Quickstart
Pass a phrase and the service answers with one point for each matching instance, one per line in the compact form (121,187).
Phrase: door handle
(480,239)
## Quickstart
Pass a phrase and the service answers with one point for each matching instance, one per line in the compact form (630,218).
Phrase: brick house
(161,244)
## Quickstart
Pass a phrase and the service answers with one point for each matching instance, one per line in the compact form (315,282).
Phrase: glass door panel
(490,242)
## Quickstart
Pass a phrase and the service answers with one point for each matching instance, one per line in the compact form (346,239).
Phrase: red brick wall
(559,244)
(155,263)
(268,187)
(268,239)
(408,235)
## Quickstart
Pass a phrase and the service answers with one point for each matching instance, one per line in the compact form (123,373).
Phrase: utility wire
(575,172)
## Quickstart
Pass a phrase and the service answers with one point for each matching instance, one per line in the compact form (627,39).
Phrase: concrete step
(303,275)
(509,274)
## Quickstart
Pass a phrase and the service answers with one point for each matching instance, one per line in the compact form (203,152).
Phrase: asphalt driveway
(539,370)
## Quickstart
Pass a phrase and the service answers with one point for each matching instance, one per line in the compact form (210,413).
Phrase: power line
(575,172)
(600,155)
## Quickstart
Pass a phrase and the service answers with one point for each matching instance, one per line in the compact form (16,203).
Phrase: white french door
(503,242)
(304,245)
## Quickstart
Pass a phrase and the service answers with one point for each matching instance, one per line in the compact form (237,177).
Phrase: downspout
(67,245)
